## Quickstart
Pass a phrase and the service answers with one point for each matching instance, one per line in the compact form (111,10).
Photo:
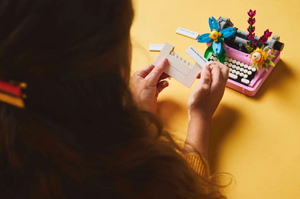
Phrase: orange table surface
(256,139)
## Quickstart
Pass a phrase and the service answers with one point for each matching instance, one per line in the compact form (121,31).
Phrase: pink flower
(251,21)
(267,33)
(251,27)
(251,36)
(251,43)
(263,39)
(251,13)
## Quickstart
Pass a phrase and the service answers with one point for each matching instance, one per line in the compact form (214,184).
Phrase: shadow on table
(167,110)
(276,80)
(222,125)
(175,119)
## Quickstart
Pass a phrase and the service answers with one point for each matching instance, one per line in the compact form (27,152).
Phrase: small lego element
(224,23)
(251,44)
(216,36)
(251,29)
(180,68)
(187,33)
(264,38)
(156,47)
(260,57)
(196,56)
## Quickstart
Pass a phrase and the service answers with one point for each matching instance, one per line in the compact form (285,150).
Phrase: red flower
(251,21)
(251,43)
(263,39)
(267,33)
(251,27)
(251,13)
(251,36)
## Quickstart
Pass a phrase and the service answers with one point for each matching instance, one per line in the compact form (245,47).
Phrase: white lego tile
(156,47)
(187,33)
(195,55)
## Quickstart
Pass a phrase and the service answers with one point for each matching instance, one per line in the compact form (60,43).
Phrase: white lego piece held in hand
(179,68)
(195,55)
(187,33)
(156,47)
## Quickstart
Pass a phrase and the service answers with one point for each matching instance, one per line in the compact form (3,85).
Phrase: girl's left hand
(147,83)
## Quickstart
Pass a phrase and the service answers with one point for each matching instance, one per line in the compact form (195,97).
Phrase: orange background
(256,139)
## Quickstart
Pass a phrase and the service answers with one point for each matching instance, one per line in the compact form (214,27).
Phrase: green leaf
(222,56)
(253,65)
(269,62)
(265,67)
(257,67)
(221,39)
(209,51)
(262,46)
(266,50)
(270,55)
(259,44)
(249,49)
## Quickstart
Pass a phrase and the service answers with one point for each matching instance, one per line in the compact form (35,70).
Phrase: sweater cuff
(199,164)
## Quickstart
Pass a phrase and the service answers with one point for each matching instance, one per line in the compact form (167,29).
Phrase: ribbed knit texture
(199,164)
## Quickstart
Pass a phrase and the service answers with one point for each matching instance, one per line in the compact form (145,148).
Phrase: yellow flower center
(215,35)
(258,56)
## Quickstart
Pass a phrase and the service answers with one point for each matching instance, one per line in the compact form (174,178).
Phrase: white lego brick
(163,53)
(192,75)
(187,33)
(179,68)
(156,47)
(195,55)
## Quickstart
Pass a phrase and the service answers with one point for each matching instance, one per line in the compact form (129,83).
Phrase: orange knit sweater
(199,164)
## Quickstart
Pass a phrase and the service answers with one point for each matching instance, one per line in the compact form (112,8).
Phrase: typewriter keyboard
(238,71)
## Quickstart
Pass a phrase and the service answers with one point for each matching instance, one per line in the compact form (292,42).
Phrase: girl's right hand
(208,93)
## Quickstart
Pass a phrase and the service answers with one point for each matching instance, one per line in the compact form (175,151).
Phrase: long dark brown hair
(80,134)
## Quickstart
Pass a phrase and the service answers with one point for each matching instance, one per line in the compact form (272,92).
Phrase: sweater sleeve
(199,164)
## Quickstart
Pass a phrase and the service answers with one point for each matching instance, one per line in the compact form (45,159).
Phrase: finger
(162,85)
(205,81)
(164,76)
(145,71)
(224,71)
(158,70)
(215,73)
(220,72)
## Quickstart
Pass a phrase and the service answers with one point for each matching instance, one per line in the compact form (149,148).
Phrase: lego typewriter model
(243,77)
(250,59)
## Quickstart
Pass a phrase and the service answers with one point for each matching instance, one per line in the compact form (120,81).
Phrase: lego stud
(256,56)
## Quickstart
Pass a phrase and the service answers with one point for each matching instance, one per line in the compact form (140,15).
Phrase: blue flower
(216,35)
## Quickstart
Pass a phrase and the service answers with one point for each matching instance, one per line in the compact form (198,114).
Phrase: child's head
(80,133)
(63,40)
(73,54)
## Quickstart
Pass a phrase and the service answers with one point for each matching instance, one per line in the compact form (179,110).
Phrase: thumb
(156,73)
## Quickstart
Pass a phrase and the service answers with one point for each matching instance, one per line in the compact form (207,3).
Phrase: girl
(80,132)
